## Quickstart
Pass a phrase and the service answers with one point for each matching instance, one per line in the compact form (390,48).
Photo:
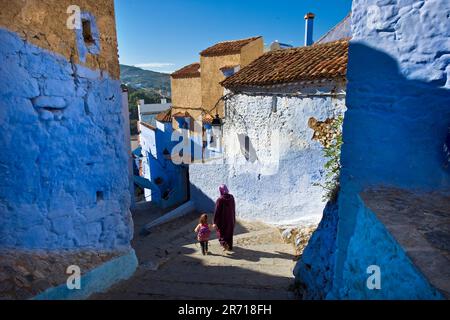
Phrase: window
(274,103)
(88,37)
(99,195)
(247,149)
(87,32)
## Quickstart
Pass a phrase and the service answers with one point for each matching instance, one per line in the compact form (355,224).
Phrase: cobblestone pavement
(172,266)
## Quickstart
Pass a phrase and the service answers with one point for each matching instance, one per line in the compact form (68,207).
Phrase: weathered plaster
(394,132)
(63,158)
(282,155)
(43,23)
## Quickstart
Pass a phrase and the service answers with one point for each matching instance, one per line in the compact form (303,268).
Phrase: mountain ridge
(139,78)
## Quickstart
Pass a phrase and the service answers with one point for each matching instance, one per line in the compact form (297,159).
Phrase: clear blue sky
(164,35)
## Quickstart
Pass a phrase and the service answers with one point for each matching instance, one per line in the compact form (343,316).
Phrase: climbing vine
(329,133)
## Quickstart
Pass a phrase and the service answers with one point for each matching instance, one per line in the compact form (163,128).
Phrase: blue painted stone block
(62,143)
(49,102)
(96,280)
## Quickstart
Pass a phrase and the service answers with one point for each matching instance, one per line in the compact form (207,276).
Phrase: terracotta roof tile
(165,116)
(147,125)
(207,118)
(316,62)
(227,47)
(190,71)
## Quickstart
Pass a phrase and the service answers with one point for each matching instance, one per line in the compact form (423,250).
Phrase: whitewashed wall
(275,183)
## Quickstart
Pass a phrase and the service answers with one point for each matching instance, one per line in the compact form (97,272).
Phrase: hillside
(138,78)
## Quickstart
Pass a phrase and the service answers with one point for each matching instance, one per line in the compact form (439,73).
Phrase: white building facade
(271,161)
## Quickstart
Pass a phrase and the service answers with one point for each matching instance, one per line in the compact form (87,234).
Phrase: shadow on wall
(314,271)
(202,201)
(394,134)
(395,129)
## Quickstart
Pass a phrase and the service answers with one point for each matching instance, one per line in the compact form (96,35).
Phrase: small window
(100,196)
(274,103)
(87,32)
(247,147)
(88,37)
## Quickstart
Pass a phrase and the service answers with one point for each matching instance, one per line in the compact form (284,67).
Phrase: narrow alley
(171,265)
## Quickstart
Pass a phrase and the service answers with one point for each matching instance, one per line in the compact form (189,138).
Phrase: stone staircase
(172,266)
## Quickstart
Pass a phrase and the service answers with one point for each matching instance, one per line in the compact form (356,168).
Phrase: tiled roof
(316,62)
(227,47)
(147,125)
(190,71)
(207,118)
(165,116)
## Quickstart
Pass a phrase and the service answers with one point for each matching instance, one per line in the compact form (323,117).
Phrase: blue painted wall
(63,161)
(394,132)
(315,270)
(371,244)
(173,189)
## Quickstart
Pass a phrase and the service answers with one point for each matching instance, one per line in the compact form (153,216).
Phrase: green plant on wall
(332,152)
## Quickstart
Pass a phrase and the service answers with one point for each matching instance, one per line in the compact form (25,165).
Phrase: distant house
(164,183)
(148,112)
(196,87)
(237,54)
(186,95)
(278,117)
(276,45)
(197,93)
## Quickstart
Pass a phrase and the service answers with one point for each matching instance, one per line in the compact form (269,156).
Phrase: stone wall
(271,161)
(43,23)
(394,132)
(63,159)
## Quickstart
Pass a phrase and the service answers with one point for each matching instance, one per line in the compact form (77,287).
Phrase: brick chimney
(309,23)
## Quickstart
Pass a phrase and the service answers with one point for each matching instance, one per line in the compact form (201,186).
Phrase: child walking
(203,232)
